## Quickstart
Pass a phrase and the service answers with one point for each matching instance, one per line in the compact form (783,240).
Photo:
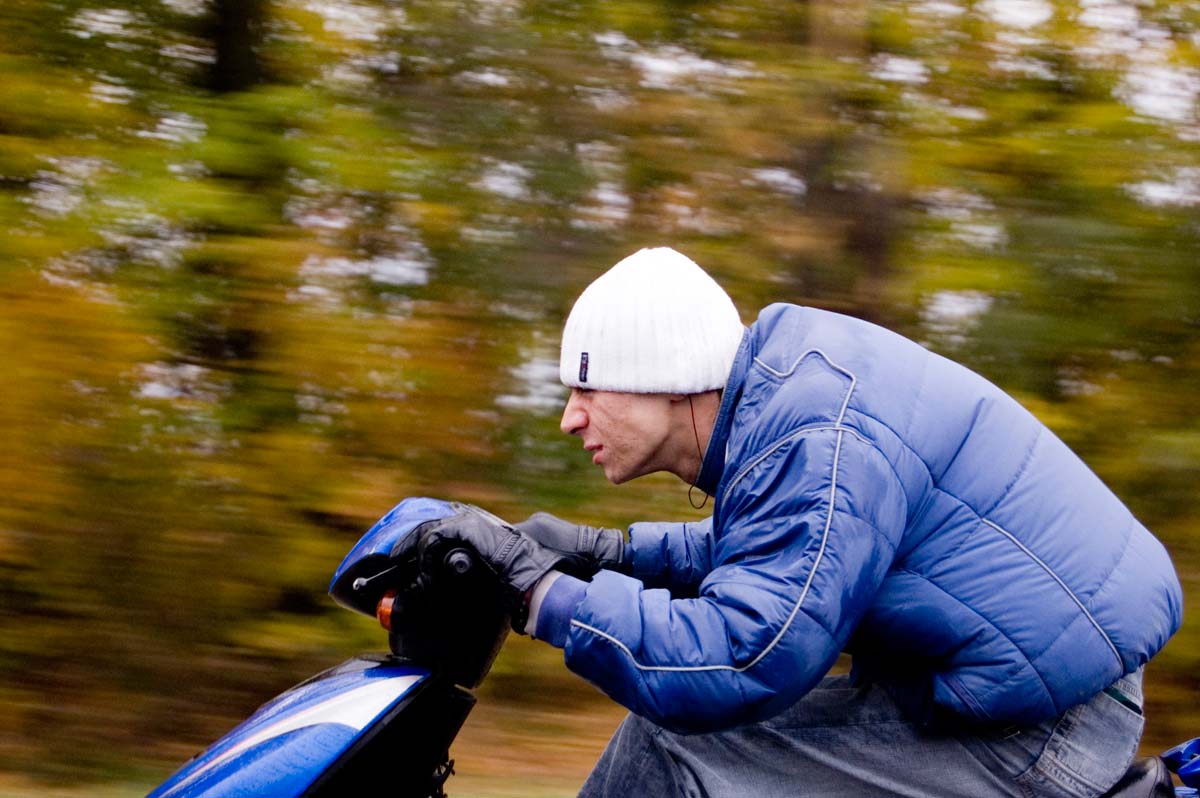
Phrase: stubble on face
(629,434)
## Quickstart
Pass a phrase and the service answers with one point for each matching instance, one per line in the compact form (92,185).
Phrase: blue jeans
(853,740)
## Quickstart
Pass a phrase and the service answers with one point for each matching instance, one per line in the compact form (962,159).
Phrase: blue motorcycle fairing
(372,554)
(1184,761)
(289,742)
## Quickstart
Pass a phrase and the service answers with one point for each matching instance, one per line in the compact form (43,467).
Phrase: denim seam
(644,755)
(1048,766)
(825,727)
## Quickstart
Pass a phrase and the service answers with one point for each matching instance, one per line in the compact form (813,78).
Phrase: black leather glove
(517,560)
(584,549)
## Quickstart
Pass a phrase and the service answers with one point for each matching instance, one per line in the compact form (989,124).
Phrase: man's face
(627,433)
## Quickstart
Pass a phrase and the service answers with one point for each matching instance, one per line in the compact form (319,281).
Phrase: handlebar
(455,563)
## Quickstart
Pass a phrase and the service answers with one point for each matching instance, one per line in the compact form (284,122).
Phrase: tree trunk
(236,33)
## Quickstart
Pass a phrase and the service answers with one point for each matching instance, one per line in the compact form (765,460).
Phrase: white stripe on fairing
(354,708)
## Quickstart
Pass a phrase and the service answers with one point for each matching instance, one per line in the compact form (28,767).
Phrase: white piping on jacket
(1061,583)
(837,451)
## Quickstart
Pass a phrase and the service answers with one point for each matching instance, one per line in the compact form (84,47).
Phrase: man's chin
(619,476)
(615,477)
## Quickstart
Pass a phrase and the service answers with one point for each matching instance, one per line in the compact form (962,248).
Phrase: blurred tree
(237,28)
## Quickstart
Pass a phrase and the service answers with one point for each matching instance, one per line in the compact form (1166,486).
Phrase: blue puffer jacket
(873,495)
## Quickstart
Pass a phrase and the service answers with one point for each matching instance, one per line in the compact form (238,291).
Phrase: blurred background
(269,266)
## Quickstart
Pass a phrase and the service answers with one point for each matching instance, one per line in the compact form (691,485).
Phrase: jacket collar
(713,465)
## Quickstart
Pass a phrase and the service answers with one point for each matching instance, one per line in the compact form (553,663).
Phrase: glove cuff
(607,546)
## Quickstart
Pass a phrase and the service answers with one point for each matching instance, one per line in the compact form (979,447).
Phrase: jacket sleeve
(805,536)
(676,556)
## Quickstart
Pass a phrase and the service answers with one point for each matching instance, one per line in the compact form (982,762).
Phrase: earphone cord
(699,451)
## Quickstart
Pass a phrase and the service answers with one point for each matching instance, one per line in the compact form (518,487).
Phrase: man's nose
(574,418)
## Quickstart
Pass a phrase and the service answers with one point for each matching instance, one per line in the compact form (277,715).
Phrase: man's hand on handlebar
(584,549)
(518,561)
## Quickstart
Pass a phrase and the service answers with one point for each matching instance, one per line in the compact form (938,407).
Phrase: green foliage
(239,325)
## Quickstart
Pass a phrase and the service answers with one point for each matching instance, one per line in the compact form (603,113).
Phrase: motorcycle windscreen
(290,742)
(371,555)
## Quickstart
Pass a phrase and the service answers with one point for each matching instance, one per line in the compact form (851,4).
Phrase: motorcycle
(382,724)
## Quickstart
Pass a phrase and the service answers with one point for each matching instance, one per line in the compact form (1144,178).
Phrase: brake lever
(457,561)
(363,581)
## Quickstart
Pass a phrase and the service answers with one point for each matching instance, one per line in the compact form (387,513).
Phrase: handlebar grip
(458,561)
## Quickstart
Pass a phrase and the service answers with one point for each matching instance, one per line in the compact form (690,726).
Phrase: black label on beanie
(583,367)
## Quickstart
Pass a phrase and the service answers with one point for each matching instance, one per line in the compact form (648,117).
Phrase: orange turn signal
(383,610)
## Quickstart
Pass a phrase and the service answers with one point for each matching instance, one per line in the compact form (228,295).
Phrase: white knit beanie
(654,323)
